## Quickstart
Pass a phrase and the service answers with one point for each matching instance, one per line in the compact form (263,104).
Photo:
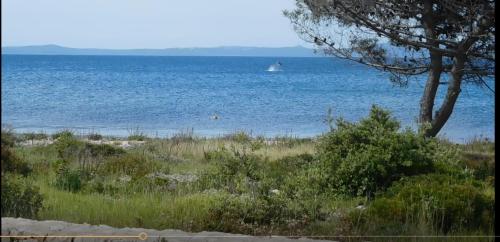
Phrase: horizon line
(145,48)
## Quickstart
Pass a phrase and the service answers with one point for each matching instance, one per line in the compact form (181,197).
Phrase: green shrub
(137,134)
(257,144)
(137,137)
(152,184)
(63,133)
(67,178)
(483,165)
(263,196)
(130,164)
(292,163)
(288,167)
(95,186)
(8,137)
(68,147)
(440,203)
(94,136)
(455,160)
(103,150)
(247,214)
(363,158)
(19,198)
(240,137)
(234,172)
(10,160)
(12,163)
(88,156)
(305,184)
(485,170)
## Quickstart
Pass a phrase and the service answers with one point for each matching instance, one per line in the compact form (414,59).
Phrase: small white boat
(275,67)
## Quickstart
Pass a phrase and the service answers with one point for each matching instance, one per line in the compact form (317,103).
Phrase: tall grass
(156,211)
(195,149)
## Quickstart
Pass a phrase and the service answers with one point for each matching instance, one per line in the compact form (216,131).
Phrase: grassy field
(253,185)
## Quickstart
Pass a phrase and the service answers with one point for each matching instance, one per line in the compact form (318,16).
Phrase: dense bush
(79,161)
(258,143)
(439,203)
(234,172)
(296,176)
(240,137)
(254,214)
(88,156)
(473,160)
(19,198)
(68,147)
(102,150)
(294,163)
(11,162)
(63,133)
(263,195)
(137,137)
(137,134)
(366,157)
(69,179)
(130,164)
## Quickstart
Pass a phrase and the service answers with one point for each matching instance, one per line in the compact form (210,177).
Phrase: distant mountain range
(296,51)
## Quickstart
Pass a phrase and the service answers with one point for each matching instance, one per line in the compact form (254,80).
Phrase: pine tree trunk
(430,90)
(444,113)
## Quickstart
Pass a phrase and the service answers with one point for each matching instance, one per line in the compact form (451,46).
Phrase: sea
(163,96)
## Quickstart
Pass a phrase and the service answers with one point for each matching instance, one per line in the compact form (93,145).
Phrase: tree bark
(444,113)
(430,90)
(435,70)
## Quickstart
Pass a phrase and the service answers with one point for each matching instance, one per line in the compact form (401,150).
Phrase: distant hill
(296,51)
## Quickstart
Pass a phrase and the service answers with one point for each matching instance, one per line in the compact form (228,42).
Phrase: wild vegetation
(364,178)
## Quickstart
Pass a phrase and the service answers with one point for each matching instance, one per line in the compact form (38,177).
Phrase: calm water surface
(164,95)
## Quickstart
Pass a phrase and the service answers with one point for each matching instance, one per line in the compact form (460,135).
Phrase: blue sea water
(164,95)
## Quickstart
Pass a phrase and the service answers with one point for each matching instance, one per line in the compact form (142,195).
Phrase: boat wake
(275,67)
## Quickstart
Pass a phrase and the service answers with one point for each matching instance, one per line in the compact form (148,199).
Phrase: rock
(14,226)
(158,175)
(182,177)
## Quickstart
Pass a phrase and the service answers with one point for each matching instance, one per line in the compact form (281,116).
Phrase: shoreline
(125,133)
(122,133)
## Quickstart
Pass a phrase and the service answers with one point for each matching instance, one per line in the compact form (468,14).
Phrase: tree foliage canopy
(407,38)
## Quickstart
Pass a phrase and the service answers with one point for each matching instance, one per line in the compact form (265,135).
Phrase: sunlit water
(164,95)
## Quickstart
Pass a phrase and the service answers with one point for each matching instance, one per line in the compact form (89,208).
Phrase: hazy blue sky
(120,24)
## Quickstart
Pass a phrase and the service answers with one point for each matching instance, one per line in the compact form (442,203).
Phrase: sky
(152,24)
